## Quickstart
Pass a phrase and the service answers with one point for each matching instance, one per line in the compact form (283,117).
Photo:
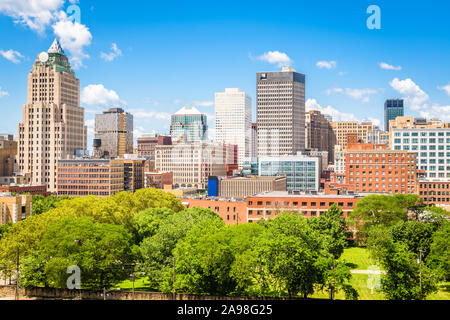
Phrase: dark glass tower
(393,108)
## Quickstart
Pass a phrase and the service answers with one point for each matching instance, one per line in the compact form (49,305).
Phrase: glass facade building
(393,108)
(302,173)
(189,125)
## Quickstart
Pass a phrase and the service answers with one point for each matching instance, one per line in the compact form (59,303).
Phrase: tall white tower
(233,116)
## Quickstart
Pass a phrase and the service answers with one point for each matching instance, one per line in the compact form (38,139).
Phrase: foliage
(101,251)
(439,257)
(43,204)
(4,229)
(146,223)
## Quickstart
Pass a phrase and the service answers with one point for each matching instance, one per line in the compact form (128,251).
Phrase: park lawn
(141,284)
(358,258)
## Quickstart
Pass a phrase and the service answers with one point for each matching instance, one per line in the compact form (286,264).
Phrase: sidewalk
(367,272)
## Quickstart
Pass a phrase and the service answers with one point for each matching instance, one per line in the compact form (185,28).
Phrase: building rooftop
(56,47)
(288,194)
(188,111)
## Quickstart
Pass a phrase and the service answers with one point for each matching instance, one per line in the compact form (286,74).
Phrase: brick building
(33,190)
(241,187)
(232,212)
(268,205)
(159,180)
(147,143)
(434,192)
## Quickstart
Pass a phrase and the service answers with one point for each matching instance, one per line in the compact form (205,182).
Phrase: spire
(56,47)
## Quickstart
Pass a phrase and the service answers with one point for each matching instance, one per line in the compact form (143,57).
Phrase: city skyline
(176,48)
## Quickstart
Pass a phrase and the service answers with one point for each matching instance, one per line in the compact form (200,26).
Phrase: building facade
(146,144)
(159,180)
(233,116)
(302,172)
(231,212)
(189,125)
(14,209)
(431,145)
(393,108)
(434,192)
(319,134)
(280,113)
(8,153)
(85,177)
(241,187)
(192,164)
(53,121)
(114,133)
(254,149)
(373,169)
(343,128)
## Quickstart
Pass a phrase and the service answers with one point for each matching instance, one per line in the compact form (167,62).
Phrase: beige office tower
(280,113)
(53,121)
(343,128)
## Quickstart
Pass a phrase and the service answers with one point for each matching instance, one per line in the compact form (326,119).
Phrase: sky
(154,57)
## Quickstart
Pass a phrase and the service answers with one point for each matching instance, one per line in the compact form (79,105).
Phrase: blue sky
(168,54)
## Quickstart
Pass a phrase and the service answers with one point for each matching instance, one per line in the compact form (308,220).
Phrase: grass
(141,284)
(357,258)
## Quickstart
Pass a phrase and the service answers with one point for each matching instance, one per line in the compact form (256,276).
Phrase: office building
(232,212)
(302,172)
(189,125)
(432,146)
(8,153)
(374,169)
(233,116)
(254,140)
(343,128)
(113,133)
(85,177)
(241,187)
(434,192)
(159,180)
(280,113)
(393,108)
(15,208)
(319,134)
(191,164)
(146,144)
(53,121)
(133,172)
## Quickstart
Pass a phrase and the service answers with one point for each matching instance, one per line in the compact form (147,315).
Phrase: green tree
(43,204)
(156,250)
(146,223)
(4,229)
(413,203)
(439,258)
(103,252)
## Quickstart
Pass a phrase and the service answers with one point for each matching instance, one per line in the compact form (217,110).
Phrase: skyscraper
(190,125)
(280,112)
(233,109)
(114,133)
(393,108)
(53,121)
(319,133)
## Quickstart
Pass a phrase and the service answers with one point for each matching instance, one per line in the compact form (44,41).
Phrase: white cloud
(436,111)
(415,97)
(73,37)
(326,64)
(203,103)
(357,94)
(11,55)
(446,89)
(116,52)
(312,104)
(149,114)
(3,93)
(98,95)
(276,57)
(35,14)
(375,121)
(386,66)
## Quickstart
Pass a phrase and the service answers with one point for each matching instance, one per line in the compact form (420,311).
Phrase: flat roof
(285,194)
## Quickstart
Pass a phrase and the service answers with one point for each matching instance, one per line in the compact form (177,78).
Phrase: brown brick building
(33,190)
(434,192)
(159,180)
(232,212)
(146,144)
(8,153)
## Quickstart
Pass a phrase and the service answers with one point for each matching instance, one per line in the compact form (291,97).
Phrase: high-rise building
(113,133)
(8,152)
(53,121)
(233,109)
(146,144)
(254,135)
(343,128)
(189,125)
(320,134)
(191,163)
(393,108)
(280,112)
